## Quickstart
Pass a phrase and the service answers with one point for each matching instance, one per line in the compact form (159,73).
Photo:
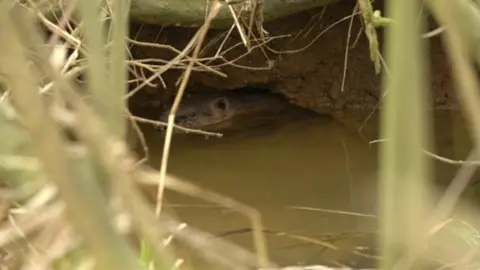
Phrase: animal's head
(198,112)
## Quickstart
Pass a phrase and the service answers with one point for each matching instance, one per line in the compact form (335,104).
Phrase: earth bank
(306,62)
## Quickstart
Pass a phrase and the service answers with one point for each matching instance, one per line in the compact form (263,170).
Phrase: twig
(438,157)
(347,48)
(173,49)
(161,70)
(292,51)
(187,130)
(237,24)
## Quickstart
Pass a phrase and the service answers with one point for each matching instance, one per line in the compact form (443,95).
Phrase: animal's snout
(161,128)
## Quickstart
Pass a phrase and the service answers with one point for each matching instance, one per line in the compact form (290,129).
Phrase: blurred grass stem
(82,197)
(405,170)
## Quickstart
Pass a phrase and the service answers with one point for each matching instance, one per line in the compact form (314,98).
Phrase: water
(315,163)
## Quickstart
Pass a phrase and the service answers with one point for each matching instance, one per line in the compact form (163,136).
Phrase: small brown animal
(228,110)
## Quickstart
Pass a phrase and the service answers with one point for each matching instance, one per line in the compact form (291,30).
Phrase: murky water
(294,174)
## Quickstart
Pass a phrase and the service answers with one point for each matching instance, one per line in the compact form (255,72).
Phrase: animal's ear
(221,104)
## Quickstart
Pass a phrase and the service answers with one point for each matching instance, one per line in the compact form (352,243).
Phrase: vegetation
(72,186)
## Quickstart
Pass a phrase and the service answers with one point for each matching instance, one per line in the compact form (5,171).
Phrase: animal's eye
(221,103)
(191,114)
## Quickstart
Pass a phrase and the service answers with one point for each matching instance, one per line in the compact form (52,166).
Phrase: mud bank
(306,61)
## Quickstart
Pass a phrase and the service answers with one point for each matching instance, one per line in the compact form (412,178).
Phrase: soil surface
(305,62)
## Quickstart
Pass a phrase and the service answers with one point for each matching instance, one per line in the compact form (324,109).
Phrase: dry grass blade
(259,240)
(106,99)
(171,117)
(164,68)
(116,152)
(117,72)
(163,124)
(463,72)
(404,170)
(183,187)
(56,239)
(178,52)
(83,198)
(366,9)
(467,91)
(237,24)
(111,153)
(213,249)
(28,224)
